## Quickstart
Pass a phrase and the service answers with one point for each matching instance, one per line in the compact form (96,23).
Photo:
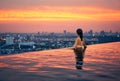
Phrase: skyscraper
(9,40)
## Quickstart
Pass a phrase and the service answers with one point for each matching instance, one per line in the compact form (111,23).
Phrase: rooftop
(101,63)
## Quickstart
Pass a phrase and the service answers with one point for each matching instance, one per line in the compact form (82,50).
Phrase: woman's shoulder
(78,38)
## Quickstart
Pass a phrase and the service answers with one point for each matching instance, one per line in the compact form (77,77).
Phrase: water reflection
(34,61)
(100,61)
(103,55)
(79,58)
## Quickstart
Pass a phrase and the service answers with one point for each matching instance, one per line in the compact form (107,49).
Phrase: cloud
(61,14)
(21,4)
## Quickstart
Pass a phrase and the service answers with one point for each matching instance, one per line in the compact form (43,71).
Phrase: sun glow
(60,14)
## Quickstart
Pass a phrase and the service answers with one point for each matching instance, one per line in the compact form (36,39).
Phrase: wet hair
(80,33)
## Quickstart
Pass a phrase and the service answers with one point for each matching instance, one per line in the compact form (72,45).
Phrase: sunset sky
(59,15)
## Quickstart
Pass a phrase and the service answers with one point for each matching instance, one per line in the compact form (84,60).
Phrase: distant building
(65,32)
(9,40)
(102,33)
(90,32)
(26,45)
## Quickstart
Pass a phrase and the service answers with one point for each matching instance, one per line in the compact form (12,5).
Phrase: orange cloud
(60,14)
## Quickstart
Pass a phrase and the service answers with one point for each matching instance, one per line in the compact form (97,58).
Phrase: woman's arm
(75,44)
(85,46)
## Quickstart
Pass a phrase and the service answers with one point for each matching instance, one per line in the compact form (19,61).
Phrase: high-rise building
(9,40)
(65,32)
(90,32)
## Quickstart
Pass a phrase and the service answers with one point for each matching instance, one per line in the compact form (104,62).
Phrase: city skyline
(63,31)
(56,16)
(23,42)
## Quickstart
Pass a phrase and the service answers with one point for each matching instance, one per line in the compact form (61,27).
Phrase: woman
(79,49)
